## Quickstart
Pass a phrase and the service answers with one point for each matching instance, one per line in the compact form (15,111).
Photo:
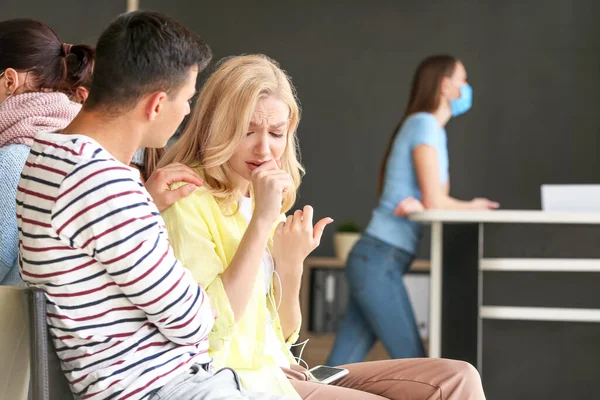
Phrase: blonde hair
(221,118)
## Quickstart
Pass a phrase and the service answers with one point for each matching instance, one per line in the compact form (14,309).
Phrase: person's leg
(317,391)
(415,379)
(383,299)
(354,338)
(298,377)
(197,384)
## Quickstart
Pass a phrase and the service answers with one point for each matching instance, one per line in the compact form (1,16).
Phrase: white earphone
(298,359)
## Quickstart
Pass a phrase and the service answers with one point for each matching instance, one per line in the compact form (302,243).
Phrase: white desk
(438,218)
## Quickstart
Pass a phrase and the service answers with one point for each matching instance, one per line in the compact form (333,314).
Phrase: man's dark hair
(140,53)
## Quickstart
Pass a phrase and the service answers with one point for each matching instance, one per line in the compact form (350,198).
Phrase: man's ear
(154,104)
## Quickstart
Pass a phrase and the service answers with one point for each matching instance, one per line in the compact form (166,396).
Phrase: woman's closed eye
(277,135)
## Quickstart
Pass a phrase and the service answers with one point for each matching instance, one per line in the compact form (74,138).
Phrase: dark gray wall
(534,66)
(75,21)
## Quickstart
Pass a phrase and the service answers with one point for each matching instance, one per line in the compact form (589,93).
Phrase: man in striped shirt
(127,320)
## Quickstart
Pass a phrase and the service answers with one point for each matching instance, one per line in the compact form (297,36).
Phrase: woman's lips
(254,164)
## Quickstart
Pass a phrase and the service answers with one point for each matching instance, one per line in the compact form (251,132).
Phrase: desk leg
(435,291)
(460,260)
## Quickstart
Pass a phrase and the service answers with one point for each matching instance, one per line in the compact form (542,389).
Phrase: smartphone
(326,375)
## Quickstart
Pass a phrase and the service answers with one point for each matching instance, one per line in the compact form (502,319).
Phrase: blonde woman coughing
(233,236)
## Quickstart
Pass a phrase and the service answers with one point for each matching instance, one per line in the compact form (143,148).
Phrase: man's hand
(158,185)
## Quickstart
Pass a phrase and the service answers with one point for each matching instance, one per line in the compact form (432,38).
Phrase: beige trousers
(402,379)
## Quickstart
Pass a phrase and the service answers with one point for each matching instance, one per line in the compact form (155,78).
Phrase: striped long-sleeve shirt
(124,315)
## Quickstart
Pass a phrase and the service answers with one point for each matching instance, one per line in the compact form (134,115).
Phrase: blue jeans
(378,307)
(198,384)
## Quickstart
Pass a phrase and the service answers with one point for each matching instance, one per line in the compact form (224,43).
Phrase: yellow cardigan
(205,239)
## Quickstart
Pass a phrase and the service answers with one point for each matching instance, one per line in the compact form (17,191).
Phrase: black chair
(47,379)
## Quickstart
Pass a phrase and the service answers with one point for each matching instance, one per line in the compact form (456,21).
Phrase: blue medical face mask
(464,102)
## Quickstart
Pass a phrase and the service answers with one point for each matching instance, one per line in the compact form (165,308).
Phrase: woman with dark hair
(42,80)
(80,65)
(414,175)
(33,81)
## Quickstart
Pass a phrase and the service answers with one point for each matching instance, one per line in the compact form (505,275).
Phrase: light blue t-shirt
(401,181)
(12,161)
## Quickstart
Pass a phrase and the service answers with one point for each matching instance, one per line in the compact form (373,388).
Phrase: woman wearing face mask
(233,237)
(414,175)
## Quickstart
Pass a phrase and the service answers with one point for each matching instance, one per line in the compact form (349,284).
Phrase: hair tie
(66,48)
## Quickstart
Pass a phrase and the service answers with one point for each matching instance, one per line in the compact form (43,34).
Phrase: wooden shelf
(333,262)
(318,347)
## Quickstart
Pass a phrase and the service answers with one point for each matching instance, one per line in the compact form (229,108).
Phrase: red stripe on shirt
(46,168)
(51,274)
(56,146)
(122,256)
(89,177)
(38,249)
(139,278)
(33,222)
(126,334)
(92,316)
(91,354)
(92,206)
(165,293)
(36,194)
(81,148)
(84,292)
(114,228)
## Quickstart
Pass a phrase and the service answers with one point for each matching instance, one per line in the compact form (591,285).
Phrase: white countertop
(507,216)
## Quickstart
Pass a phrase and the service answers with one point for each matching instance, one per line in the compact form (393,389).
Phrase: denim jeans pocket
(179,380)
(372,258)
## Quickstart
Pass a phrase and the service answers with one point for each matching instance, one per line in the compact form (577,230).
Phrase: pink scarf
(24,115)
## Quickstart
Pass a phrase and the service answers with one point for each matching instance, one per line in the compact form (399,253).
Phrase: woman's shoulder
(14,151)
(12,161)
(13,157)
(201,194)
(422,127)
(422,120)
(201,202)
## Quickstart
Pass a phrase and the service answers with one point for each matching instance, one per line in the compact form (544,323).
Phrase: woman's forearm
(445,202)
(289,312)
(239,277)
